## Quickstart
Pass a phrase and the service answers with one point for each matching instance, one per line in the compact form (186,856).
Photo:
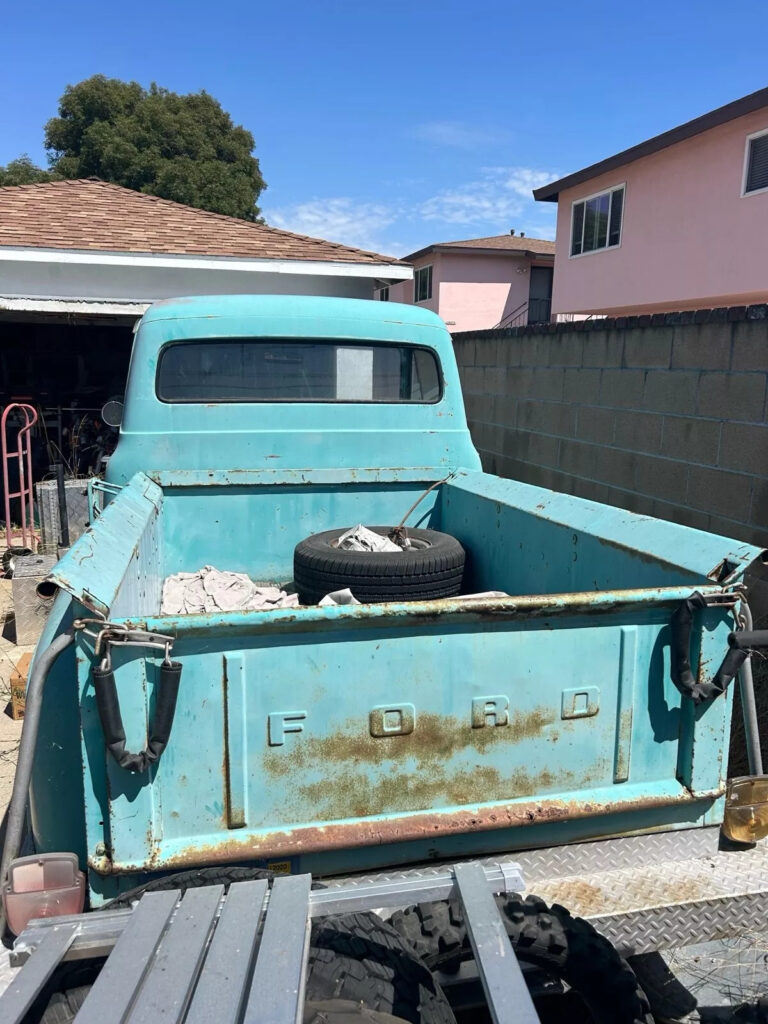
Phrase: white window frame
(585,199)
(381,295)
(745,172)
(416,272)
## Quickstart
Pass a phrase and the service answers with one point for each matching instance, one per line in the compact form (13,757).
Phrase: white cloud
(499,194)
(338,220)
(457,134)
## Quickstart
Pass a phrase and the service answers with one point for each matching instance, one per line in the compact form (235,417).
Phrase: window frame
(345,342)
(416,272)
(383,295)
(745,171)
(585,199)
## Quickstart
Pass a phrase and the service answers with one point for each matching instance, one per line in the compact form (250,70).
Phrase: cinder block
(750,346)
(731,529)
(566,350)
(744,447)
(648,348)
(486,352)
(519,381)
(638,431)
(495,380)
(509,352)
(672,391)
(594,424)
(464,349)
(582,386)
(504,409)
(602,348)
(622,389)
(719,493)
(702,347)
(734,396)
(681,514)
(547,417)
(547,383)
(661,478)
(691,439)
(473,380)
(758,515)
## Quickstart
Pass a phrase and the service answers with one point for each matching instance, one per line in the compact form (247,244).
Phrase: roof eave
(729,112)
(463,249)
(277,265)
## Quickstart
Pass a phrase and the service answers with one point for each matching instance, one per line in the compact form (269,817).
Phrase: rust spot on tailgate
(351,835)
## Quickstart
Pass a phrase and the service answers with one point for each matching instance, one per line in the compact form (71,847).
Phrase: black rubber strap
(740,645)
(108,704)
(680,650)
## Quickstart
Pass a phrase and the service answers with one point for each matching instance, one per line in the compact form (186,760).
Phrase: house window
(422,284)
(596,221)
(384,294)
(756,163)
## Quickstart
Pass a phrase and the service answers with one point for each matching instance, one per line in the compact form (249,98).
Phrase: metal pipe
(63,513)
(18,805)
(748,706)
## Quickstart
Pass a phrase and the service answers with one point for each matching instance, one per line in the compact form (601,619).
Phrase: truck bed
(341,738)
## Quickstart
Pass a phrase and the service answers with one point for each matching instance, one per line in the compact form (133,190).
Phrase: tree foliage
(180,147)
(22,171)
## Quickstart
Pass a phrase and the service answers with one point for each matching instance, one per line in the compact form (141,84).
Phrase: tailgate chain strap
(108,704)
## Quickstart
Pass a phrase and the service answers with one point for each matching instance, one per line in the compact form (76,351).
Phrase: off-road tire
(361,958)
(549,937)
(184,880)
(342,1011)
(417,574)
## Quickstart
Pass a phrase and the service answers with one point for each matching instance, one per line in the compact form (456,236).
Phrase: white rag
(213,590)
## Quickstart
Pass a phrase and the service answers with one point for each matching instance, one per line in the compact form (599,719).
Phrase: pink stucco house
(677,222)
(481,282)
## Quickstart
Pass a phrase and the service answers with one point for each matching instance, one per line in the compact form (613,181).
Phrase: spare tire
(432,568)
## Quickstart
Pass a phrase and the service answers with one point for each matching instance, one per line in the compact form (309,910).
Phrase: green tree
(22,171)
(184,148)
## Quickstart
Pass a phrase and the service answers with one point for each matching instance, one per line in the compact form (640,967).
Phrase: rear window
(266,370)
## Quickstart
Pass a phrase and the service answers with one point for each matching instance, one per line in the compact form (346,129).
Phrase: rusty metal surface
(350,835)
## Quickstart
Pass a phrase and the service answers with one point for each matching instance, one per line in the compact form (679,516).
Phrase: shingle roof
(94,215)
(500,243)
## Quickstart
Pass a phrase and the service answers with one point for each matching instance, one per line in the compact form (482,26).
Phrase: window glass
(266,370)
(422,284)
(596,222)
(757,164)
(578,228)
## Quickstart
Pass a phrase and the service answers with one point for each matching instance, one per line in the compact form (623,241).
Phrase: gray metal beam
(505,990)
(121,976)
(168,985)
(223,984)
(277,988)
(26,985)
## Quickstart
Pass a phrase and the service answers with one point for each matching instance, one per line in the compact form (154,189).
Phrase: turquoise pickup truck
(526,674)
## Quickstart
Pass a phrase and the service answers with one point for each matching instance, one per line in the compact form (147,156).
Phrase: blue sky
(393,125)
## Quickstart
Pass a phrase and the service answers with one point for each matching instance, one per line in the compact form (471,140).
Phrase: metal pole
(63,514)
(748,707)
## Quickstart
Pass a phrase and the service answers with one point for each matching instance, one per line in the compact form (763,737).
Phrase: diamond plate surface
(664,903)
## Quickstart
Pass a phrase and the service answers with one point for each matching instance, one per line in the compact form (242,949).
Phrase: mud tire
(549,937)
(420,574)
(342,1011)
(184,880)
(359,957)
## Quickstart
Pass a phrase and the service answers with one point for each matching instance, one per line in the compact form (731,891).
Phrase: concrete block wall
(663,414)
